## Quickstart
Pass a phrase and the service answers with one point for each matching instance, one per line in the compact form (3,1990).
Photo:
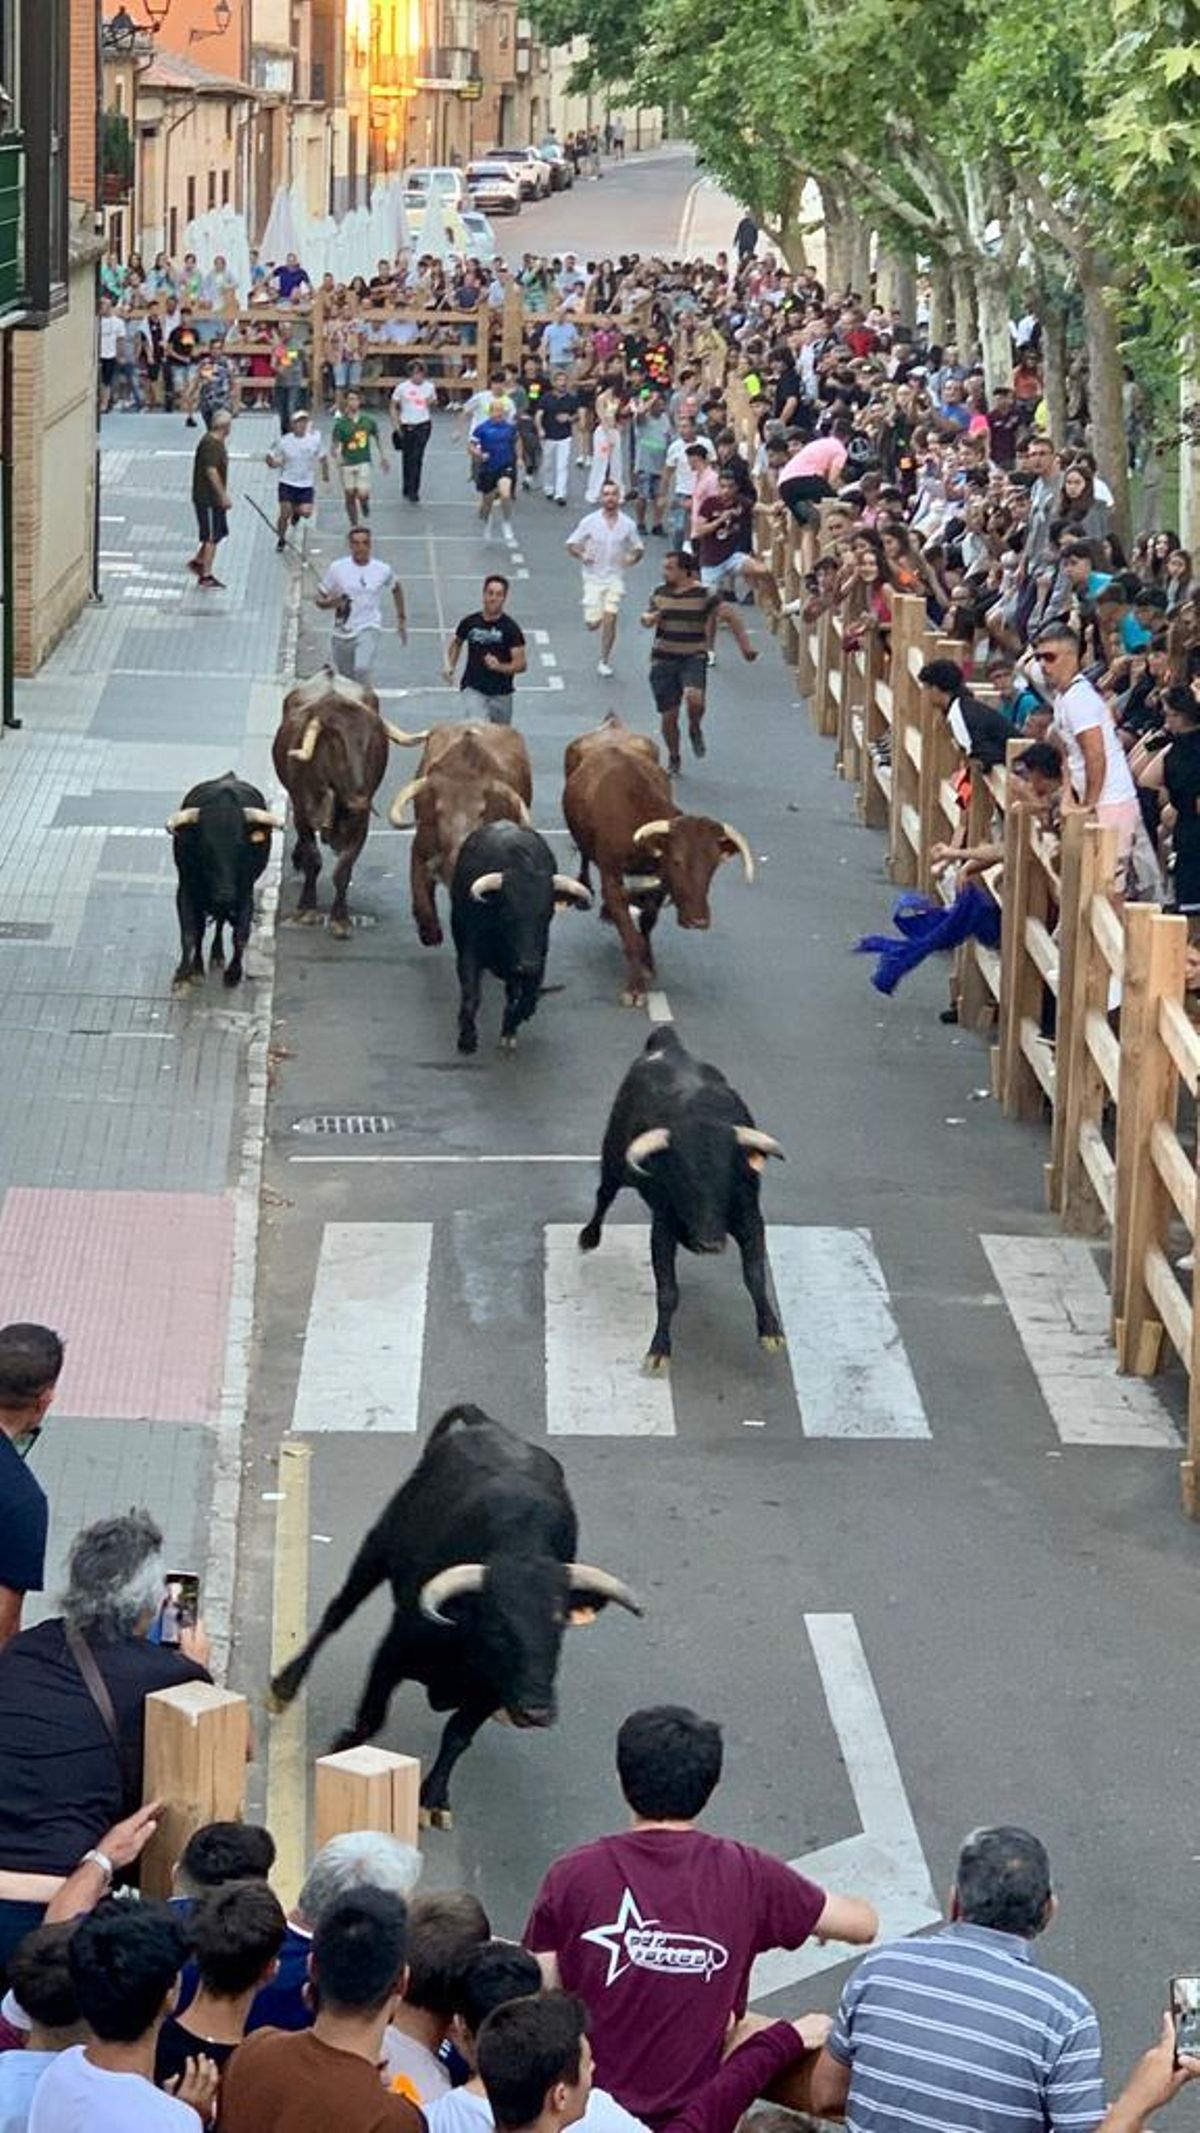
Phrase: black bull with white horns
(680,1134)
(221,833)
(478,1546)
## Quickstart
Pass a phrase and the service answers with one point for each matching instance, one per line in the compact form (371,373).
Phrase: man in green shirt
(354,433)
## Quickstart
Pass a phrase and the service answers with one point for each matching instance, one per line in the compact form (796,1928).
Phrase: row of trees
(1010,146)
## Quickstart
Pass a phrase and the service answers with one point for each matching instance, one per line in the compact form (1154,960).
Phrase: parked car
(533,173)
(483,239)
(495,187)
(562,170)
(423,180)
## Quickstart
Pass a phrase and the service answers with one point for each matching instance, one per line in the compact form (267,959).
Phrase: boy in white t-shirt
(298,454)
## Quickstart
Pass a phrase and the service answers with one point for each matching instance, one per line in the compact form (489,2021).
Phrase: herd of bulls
(480,1606)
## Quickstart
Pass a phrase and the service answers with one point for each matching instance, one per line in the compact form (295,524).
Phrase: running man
(556,415)
(298,454)
(495,655)
(353,586)
(683,614)
(354,434)
(414,398)
(494,457)
(604,542)
(210,496)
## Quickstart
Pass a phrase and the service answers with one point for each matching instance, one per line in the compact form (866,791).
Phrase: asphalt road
(1021,1603)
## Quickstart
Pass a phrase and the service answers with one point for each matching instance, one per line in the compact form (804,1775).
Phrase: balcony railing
(12,190)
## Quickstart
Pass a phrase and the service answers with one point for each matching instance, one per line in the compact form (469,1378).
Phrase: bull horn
(404,740)
(604,1585)
(643,881)
(739,843)
(486,885)
(644,1145)
(304,753)
(183,818)
(262,818)
(573,890)
(651,829)
(396,810)
(761,1143)
(437,1592)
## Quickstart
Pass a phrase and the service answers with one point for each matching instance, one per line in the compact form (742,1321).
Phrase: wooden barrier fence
(1084,999)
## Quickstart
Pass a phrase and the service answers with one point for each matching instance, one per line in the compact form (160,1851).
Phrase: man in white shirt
(124,1960)
(109,336)
(1098,769)
(353,586)
(297,455)
(413,400)
(604,542)
(679,479)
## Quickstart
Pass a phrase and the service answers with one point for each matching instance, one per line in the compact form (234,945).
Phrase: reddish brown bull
(618,807)
(331,752)
(468,775)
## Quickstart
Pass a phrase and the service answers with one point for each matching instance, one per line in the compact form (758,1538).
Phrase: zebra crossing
(374,1316)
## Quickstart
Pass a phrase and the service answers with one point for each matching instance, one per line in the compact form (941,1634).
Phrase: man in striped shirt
(683,615)
(960,2032)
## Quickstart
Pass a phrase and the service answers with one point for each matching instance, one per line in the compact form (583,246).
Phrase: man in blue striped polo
(960,2031)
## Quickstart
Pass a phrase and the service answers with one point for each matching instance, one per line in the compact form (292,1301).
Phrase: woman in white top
(413,400)
(606,445)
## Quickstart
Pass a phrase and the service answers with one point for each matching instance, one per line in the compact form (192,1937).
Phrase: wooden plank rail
(1092,1034)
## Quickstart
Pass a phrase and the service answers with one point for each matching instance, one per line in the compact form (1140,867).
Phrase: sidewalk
(129,1141)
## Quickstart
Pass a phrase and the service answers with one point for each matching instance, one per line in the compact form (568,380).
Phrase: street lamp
(156,13)
(222,16)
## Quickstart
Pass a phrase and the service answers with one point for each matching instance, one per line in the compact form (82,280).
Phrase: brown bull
(618,807)
(331,752)
(468,775)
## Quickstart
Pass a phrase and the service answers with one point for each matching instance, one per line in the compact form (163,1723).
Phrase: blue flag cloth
(929,927)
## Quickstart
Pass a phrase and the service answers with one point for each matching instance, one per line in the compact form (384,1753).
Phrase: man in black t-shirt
(556,412)
(30,1361)
(495,647)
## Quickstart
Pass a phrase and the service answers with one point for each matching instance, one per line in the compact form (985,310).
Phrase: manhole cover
(23,929)
(344,1122)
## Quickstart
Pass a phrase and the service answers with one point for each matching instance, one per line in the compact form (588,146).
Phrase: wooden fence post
(512,328)
(1020,986)
(817,701)
(366,1788)
(195,1762)
(908,624)
(1154,962)
(875,729)
(830,698)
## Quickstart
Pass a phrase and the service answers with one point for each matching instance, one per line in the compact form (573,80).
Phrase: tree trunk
(964,310)
(939,302)
(995,334)
(1053,314)
(896,285)
(837,240)
(860,258)
(1105,400)
(1189,448)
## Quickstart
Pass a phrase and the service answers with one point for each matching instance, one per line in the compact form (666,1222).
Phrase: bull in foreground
(222,839)
(684,1138)
(330,754)
(479,1549)
(619,808)
(502,898)
(468,774)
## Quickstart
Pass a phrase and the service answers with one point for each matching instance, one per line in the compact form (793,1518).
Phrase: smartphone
(1185,2014)
(179,1607)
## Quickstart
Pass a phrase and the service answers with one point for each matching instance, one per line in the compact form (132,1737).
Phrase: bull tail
(368,1570)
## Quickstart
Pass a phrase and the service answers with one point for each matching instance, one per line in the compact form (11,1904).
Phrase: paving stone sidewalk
(127,1150)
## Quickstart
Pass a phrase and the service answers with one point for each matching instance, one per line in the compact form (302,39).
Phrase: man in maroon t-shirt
(657,1928)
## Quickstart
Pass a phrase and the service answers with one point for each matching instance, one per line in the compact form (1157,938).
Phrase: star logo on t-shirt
(632,1942)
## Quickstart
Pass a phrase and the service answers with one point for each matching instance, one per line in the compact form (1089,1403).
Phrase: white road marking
(540,636)
(886,1861)
(417,1159)
(361,1366)
(847,1359)
(548,659)
(1060,1307)
(658,1007)
(599,1312)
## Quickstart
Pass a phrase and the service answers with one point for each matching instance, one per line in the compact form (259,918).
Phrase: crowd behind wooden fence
(1084,999)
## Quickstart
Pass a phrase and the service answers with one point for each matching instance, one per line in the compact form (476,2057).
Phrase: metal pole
(8,651)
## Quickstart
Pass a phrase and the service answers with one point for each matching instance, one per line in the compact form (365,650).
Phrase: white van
(441,178)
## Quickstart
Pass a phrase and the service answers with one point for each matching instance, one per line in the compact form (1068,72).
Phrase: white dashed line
(658,1007)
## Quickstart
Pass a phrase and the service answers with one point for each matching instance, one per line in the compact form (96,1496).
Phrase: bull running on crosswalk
(370,1310)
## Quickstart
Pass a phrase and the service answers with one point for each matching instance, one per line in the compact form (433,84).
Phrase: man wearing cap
(297,455)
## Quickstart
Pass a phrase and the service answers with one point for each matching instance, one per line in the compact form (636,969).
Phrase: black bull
(222,839)
(685,1139)
(478,1547)
(502,898)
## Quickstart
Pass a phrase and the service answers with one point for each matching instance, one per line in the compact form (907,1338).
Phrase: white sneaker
(604,669)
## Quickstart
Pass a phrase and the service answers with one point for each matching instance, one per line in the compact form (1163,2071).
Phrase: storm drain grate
(24,929)
(345,1122)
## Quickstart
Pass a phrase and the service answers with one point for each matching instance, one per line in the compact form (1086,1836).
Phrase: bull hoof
(507,1044)
(181,985)
(430,936)
(340,928)
(308,915)
(233,976)
(774,1343)
(589,1237)
(468,1041)
(216,960)
(632,998)
(276,1703)
(656,1366)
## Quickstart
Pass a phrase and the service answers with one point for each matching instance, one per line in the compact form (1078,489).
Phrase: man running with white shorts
(352,437)
(605,542)
(298,454)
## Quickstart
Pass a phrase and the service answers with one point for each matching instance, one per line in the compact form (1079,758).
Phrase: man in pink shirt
(811,474)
